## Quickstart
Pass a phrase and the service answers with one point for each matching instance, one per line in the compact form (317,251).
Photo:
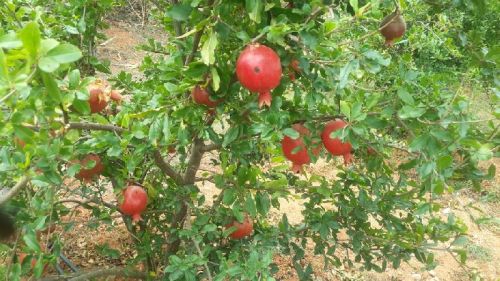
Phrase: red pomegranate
(295,149)
(134,202)
(335,146)
(97,100)
(395,29)
(201,96)
(243,229)
(87,174)
(116,96)
(259,70)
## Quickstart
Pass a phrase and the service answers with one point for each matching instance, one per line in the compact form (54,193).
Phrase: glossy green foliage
(413,125)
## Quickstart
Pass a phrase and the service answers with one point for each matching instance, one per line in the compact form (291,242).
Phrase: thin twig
(14,190)
(207,269)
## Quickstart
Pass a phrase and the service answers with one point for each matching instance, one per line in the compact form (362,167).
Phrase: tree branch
(95,127)
(210,147)
(99,273)
(166,168)
(194,161)
(14,190)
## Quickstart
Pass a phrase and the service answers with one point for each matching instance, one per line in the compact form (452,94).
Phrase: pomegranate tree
(134,202)
(206,166)
(334,145)
(258,69)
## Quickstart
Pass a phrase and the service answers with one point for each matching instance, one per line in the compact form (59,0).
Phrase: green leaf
(215,79)
(10,41)
(444,162)
(73,170)
(230,136)
(250,207)
(405,96)
(30,239)
(30,35)
(47,45)
(263,203)
(290,132)
(179,12)
(483,153)
(48,65)
(460,241)
(4,70)
(23,133)
(407,112)
(51,88)
(208,49)
(254,9)
(345,109)
(345,71)
(74,79)
(155,131)
(229,196)
(64,53)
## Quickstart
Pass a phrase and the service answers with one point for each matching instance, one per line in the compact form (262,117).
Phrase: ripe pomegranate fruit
(134,202)
(115,95)
(97,100)
(395,29)
(259,70)
(201,96)
(87,174)
(295,149)
(335,146)
(243,229)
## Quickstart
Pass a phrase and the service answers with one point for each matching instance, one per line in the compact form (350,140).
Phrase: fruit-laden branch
(99,273)
(95,127)
(14,190)
(166,168)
